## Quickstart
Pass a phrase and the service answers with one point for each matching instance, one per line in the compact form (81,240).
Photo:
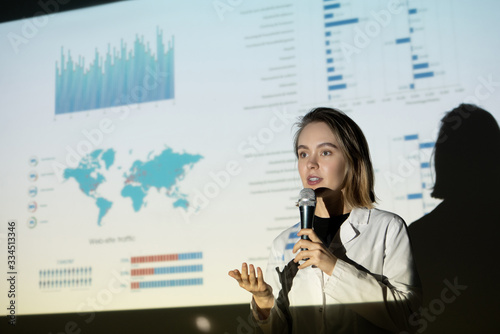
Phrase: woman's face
(321,163)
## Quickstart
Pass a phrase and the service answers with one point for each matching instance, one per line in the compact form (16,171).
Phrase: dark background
(11,10)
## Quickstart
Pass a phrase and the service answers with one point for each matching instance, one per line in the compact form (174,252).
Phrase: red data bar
(142,272)
(154,258)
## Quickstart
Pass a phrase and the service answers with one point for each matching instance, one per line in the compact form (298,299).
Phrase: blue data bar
(425,165)
(403,40)
(329,60)
(415,196)
(420,66)
(289,246)
(414,57)
(328,52)
(340,23)
(426,145)
(190,256)
(293,235)
(171,283)
(412,86)
(328,33)
(411,30)
(423,75)
(333,6)
(411,137)
(328,16)
(412,11)
(178,269)
(331,69)
(335,78)
(336,87)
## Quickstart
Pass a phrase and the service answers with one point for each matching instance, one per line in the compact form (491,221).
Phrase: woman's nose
(312,163)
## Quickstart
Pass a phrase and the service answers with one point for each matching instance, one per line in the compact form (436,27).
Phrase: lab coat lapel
(348,230)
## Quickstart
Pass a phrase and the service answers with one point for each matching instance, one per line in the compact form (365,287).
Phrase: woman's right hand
(255,284)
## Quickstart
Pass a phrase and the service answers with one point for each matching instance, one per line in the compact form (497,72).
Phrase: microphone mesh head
(307,194)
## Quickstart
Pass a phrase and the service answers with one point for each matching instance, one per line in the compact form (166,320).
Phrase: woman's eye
(326,153)
(302,154)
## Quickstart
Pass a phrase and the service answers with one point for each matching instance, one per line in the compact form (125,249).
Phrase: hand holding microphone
(316,254)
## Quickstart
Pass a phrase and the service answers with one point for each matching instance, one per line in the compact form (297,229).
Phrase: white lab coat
(374,287)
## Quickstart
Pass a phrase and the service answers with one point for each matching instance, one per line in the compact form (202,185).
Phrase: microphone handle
(306,218)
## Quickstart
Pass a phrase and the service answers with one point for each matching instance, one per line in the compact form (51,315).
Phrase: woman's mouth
(313,180)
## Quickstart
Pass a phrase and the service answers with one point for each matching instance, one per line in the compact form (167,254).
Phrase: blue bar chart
(119,78)
(367,40)
(430,61)
(412,178)
(331,10)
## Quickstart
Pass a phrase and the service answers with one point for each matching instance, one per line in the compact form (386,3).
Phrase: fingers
(308,262)
(307,244)
(236,275)
(303,255)
(251,277)
(319,257)
(310,233)
(260,277)
(308,258)
(244,271)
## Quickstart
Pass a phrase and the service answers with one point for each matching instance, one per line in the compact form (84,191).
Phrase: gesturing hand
(315,254)
(255,284)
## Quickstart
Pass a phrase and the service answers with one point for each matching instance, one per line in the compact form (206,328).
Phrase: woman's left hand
(315,254)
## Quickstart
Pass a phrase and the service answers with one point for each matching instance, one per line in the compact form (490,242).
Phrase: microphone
(307,205)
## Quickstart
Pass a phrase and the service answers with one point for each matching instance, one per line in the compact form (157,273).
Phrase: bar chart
(143,272)
(335,21)
(122,77)
(431,61)
(400,48)
(412,178)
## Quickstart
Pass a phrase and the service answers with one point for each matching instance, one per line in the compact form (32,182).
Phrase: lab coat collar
(349,230)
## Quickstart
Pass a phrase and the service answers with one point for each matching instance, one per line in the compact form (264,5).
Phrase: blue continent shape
(181,203)
(104,205)
(161,171)
(108,157)
(89,179)
(85,174)
(136,194)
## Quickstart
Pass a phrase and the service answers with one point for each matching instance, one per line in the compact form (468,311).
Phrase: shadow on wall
(457,246)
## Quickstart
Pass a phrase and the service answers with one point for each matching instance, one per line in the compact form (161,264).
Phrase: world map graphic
(161,171)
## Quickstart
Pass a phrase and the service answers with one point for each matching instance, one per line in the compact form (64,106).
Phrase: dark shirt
(326,228)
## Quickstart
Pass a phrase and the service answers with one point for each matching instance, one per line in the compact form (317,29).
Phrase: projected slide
(148,144)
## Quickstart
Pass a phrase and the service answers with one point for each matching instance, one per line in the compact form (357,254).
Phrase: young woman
(356,274)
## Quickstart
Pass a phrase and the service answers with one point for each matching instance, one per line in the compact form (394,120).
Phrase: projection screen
(147,145)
